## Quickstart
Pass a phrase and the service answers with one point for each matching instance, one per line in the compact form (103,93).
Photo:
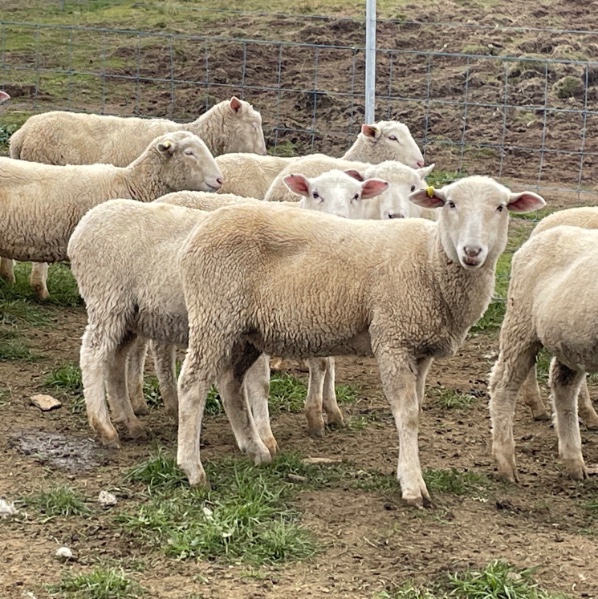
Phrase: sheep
(112,241)
(297,284)
(530,392)
(70,138)
(41,204)
(551,302)
(249,175)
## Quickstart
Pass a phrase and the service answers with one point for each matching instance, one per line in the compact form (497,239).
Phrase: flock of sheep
(172,247)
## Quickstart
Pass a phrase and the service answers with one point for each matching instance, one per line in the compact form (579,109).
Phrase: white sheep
(73,138)
(249,175)
(118,253)
(551,303)
(41,204)
(587,218)
(298,284)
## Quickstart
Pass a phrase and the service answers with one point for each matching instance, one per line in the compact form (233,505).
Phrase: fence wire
(533,119)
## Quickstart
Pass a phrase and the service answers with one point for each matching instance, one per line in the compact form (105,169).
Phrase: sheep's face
(243,128)
(187,163)
(474,220)
(335,192)
(392,140)
(402,180)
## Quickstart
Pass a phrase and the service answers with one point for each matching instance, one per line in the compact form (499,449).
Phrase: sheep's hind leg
(334,415)
(315,397)
(564,385)
(165,365)
(586,409)
(256,387)
(530,395)
(238,410)
(135,369)
(7,270)
(38,280)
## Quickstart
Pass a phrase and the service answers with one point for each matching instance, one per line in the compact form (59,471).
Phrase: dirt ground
(369,540)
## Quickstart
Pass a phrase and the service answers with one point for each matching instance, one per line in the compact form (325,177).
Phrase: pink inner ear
(355,174)
(235,104)
(297,184)
(368,131)
(4,96)
(525,202)
(421,198)
(372,187)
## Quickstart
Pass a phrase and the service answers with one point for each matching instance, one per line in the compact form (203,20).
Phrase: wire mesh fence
(532,118)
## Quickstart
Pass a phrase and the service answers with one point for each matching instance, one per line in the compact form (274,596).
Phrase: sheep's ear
(297,184)
(166,147)
(525,201)
(4,96)
(355,174)
(373,187)
(370,131)
(235,104)
(428,197)
(425,170)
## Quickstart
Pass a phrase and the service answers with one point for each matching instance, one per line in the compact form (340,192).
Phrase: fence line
(507,116)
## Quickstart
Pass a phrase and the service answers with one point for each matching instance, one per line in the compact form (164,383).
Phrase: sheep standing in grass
(586,218)
(73,138)
(128,294)
(296,284)
(551,303)
(41,204)
(248,175)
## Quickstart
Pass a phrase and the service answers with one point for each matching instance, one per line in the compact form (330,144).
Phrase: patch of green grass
(17,311)
(440,178)
(12,348)
(451,399)
(454,482)
(67,378)
(245,516)
(60,501)
(100,583)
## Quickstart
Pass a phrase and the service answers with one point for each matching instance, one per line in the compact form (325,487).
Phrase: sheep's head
(474,220)
(242,128)
(403,180)
(391,140)
(335,192)
(3,97)
(186,163)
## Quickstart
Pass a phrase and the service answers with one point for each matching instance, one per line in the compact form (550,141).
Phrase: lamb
(70,138)
(41,204)
(248,175)
(551,303)
(530,392)
(297,284)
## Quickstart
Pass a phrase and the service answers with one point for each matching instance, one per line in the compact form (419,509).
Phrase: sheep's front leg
(38,279)
(194,383)
(399,381)
(7,270)
(586,408)
(512,367)
(423,366)
(135,369)
(256,387)
(165,364)
(530,395)
(564,385)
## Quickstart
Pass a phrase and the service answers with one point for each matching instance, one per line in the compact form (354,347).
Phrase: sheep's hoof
(541,416)
(198,479)
(41,292)
(575,469)
(272,445)
(316,431)
(260,456)
(140,410)
(335,419)
(591,424)
(508,476)
(419,501)
(110,442)
(137,432)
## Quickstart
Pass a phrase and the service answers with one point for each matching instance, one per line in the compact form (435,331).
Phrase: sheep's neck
(205,127)
(358,152)
(142,181)
(466,293)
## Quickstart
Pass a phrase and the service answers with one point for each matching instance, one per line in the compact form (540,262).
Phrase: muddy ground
(369,540)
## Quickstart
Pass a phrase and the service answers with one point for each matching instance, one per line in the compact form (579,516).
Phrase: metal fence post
(370,61)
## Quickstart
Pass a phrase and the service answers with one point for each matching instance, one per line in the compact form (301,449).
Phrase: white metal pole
(370,61)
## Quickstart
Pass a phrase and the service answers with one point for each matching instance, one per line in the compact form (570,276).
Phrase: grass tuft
(60,501)
(99,584)
(451,399)
(12,347)
(455,482)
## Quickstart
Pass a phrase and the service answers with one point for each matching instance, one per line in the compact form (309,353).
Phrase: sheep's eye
(315,195)
(393,138)
(356,196)
(413,188)
(189,153)
(500,208)
(451,205)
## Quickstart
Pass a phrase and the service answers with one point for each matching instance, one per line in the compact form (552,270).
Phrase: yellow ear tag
(430,191)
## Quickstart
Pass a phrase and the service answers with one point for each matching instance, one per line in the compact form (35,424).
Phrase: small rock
(321,461)
(7,509)
(106,499)
(45,402)
(64,553)
(297,478)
